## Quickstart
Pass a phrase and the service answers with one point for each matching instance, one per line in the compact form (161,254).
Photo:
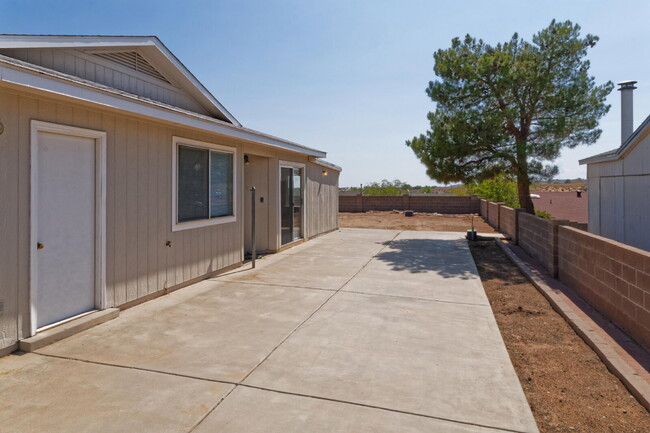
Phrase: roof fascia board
(197,84)
(625,148)
(631,142)
(45,41)
(42,81)
(326,164)
(599,158)
(89,42)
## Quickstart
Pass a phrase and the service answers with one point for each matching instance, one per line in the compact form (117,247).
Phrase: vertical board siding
(138,209)
(612,193)
(10,172)
(27,108)
(322,195)
(79,64)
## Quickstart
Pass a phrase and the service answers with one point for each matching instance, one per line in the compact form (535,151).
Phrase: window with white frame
(204,183)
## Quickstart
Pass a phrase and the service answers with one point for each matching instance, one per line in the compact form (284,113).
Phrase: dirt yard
(420,221)
(568,387)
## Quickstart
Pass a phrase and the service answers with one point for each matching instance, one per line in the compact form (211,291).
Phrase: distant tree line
(383,188)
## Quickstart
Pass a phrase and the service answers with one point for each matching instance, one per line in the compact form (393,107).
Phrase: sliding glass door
(291,197)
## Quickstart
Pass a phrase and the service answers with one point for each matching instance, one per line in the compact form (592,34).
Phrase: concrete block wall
(538,236)
(508,222)
(613,277)
(439,204)
(493,214)
(483,208)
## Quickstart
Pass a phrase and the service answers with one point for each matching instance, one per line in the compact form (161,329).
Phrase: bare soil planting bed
(396,220)
(568,387)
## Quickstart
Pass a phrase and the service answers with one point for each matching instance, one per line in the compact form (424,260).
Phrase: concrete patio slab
(437,284)
(313,354)
(318,272)
(437,359)
(338,247)
(220,331)
(283,413)
(435,266)
(42,394)
(365,235)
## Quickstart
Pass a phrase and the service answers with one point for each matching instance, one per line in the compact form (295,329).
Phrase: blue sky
(349,76)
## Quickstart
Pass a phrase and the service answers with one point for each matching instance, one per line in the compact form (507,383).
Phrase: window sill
(203,223)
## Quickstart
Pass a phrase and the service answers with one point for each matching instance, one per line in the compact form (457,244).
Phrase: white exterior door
(66,227)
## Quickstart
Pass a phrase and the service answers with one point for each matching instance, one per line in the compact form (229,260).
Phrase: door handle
(39,246)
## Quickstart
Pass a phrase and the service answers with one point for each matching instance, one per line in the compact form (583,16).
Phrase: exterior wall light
(324,173)
(246,161)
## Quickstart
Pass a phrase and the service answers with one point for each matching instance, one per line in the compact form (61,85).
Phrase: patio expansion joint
(415,298)
(318,309)
(386,409)
(131,367)
(208,413)
(240,383)
(273,285)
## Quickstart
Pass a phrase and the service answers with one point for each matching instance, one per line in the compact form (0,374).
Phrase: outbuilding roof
(628,145)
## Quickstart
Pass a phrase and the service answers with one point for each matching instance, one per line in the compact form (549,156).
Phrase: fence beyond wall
(432,203)
(612,277)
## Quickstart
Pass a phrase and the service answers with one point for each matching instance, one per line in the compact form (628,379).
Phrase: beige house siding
(256,174)
(322,202)
(138,216)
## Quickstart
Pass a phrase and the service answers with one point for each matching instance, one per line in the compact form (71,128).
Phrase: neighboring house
(563,205)
(619,182)
(122,178)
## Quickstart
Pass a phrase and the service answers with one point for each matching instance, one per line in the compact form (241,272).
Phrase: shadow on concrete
(448,258)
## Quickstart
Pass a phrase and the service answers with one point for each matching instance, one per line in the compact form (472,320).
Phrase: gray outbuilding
(619,182)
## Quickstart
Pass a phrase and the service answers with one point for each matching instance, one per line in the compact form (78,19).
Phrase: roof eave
(23,74)
(601,157)
(145,42)
(619,152)
(194,81)
(325,164)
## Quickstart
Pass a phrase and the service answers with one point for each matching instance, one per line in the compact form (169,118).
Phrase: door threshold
(291,244)
(64,329)
(64,321)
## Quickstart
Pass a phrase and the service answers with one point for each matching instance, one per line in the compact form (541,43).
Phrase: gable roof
(158,60)
(628,145)
(15,72)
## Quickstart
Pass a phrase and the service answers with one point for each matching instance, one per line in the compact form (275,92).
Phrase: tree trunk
(523,181)
(523,189)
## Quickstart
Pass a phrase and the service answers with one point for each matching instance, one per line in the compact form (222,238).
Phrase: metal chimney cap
(627,85)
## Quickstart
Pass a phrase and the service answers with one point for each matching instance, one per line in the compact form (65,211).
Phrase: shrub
(498,189)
